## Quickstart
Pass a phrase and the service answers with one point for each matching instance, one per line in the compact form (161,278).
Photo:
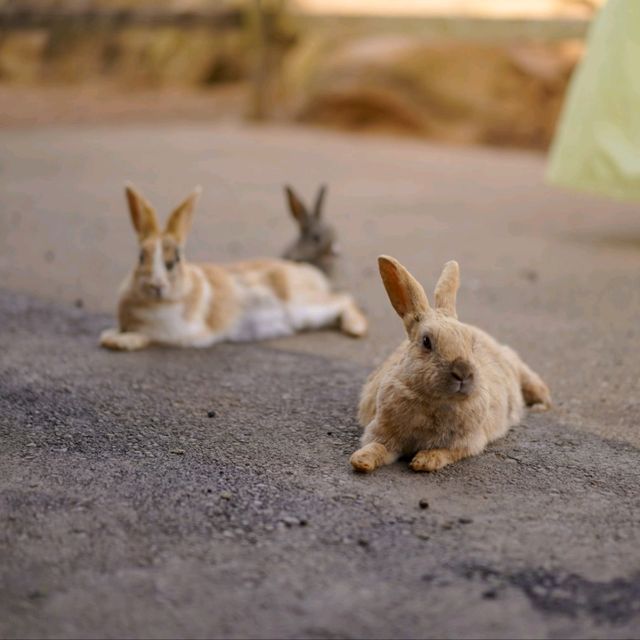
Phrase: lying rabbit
(168,300)
(316,243)
(446,391)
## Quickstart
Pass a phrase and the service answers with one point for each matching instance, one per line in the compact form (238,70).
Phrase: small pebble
(530,274)
(178,452)
(226,495)
(465,520)
(424,504)
(362,542)
(211,414)
(490,594)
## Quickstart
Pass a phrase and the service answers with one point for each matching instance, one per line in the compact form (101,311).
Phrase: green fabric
(597,145)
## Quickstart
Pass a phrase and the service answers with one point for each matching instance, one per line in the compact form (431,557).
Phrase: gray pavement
(128,511)
(555,274)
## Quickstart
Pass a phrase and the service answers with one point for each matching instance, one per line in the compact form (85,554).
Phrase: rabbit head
(439,357)
(316,243)
(159,274)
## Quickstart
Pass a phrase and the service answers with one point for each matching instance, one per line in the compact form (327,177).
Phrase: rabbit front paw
(539,407)
(125,341)
(370,457)
(431,459)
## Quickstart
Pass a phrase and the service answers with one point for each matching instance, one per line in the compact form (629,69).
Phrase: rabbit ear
(405,292)
(298,210)
(179,221)
(447,288)
(317,209)
(143,216)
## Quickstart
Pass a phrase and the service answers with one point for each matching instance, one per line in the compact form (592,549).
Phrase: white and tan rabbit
(447,390)
(167,300)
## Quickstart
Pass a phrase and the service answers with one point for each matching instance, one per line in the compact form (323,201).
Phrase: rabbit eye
(426,343)
(141,257)
(169,264)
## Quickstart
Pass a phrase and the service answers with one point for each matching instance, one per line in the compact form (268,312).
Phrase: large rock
(469,92)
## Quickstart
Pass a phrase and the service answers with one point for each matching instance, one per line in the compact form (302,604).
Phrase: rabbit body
(447,390)
(167,300)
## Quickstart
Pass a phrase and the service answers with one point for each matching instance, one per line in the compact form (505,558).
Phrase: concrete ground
(127,511)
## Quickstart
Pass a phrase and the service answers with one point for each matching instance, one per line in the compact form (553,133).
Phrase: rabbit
(168,300)
(447,390)
(316,243)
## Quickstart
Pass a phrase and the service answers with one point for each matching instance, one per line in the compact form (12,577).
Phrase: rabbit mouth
(461,389)
(155,292)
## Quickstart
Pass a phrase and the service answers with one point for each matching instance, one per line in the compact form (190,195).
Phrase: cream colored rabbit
(446,391)
(168,300)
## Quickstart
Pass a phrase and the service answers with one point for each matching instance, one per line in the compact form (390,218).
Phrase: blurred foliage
(83,5)
(489,81)
(132,55)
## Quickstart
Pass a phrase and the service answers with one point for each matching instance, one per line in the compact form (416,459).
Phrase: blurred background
(430,121)
(464,71)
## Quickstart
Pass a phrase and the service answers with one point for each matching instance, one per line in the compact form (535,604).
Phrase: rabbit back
(279,298)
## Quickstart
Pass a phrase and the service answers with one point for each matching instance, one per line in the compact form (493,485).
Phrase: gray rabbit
(316,243)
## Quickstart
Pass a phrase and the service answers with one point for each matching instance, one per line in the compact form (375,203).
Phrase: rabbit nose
(156,289)
(461,371)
